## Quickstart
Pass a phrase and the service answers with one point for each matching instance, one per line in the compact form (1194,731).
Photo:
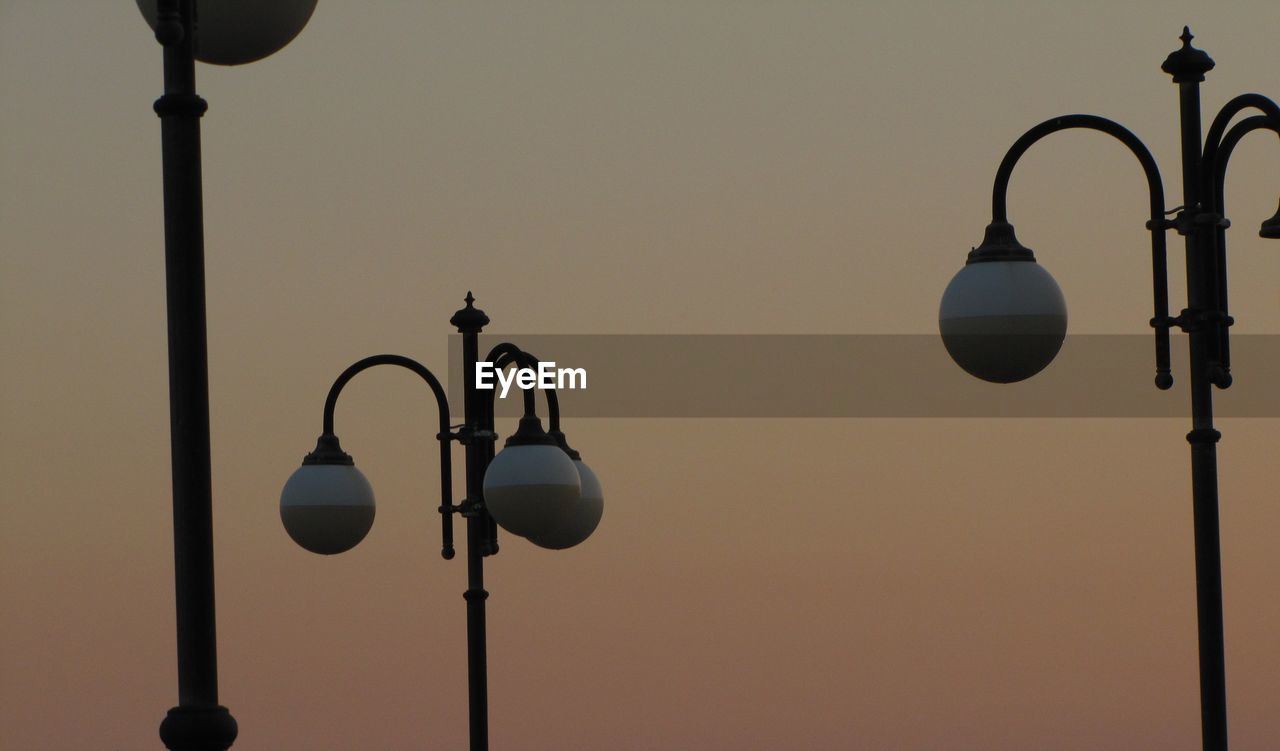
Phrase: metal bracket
(1193,320)
(469,508)
(1208,218)
(1186,221)
(466,435)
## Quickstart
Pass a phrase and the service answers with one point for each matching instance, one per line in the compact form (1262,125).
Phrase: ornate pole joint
(1194,320)
(1187,221)
(468,435)
(198,727)
(1203,436)
(179,105)
(1210,219)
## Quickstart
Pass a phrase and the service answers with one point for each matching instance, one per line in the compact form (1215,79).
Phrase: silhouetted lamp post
(226,32)
(1003,317)
(536,487)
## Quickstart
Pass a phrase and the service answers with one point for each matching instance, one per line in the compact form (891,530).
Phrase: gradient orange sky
(620,167)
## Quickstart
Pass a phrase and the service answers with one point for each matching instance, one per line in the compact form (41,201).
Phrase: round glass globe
(327,508)
(531,489)
(583,519)
(233,32)
(1003,321)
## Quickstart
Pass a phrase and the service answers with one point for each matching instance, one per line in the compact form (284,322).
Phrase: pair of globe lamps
(537,487)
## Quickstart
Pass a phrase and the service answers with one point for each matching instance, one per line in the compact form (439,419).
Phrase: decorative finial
(470,320)
(1187,64)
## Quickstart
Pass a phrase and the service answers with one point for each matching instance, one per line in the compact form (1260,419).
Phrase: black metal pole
(470,321)
(1188,66)
(198,722)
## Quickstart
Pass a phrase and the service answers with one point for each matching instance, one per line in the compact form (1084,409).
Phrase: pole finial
(1187,64)
(469,320)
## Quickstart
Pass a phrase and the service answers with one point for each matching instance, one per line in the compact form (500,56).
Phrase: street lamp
(187,29)
(1003,317)
(536,487)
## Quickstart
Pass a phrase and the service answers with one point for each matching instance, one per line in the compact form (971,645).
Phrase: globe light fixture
(234,32)
(327,505)
(1002,317)
(533,487)
(584,516)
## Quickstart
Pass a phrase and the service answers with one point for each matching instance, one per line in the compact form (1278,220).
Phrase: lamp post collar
(1187,64)
(1000,244)
(530,433)
(328,451)
(1271,227)
(469,320)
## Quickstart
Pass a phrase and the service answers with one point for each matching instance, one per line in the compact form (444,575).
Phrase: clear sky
(620,167)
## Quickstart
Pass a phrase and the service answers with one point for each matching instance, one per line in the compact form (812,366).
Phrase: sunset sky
(622,167)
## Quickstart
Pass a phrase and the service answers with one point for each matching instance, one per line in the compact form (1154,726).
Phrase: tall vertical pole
(1188,66)
(198,722)
(470,321)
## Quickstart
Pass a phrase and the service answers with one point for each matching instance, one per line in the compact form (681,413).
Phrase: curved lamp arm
(444,436)
(507,353)
(1222,154)
(1067,122)
(1217,155)
(503,355)
(1217,150)
(1160,321)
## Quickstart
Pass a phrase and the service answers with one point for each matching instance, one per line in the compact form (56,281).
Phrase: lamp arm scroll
(1160,321)
(1218,142)
(1222,154)
(444,436)
(507,353)
(1217,155)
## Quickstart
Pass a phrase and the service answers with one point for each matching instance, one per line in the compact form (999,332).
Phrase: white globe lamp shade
(584,517)
(233,32)
(531,487)
(1003,317)
(327,506)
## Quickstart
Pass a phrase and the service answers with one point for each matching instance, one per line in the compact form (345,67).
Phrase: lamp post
(1003,318)
(225,32)
(536,487)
